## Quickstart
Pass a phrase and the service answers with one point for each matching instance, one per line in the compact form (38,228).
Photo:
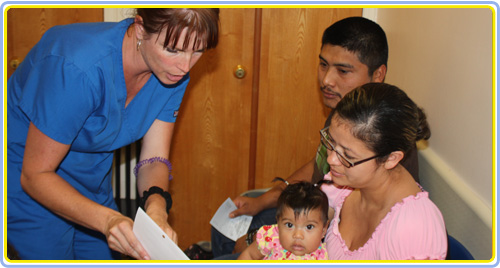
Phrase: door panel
(25,26)
(210,152)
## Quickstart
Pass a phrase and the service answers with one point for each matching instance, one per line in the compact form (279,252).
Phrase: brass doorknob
(239,71)
(14,63)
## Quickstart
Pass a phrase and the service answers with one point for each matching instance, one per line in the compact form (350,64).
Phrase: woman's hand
(161,220)
(156,210)
(121,238)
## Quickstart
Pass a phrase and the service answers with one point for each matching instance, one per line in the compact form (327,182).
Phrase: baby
(302,216)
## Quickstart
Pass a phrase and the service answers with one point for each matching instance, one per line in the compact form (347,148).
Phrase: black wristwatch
(156,190)
(251,236)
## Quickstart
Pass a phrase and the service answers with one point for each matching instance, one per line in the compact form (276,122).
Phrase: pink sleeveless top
(413,230)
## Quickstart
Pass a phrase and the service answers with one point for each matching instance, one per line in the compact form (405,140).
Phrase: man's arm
(252,206)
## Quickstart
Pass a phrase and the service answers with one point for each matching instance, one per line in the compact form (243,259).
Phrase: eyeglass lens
(330,147)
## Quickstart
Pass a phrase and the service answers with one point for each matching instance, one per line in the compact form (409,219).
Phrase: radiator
(123,179)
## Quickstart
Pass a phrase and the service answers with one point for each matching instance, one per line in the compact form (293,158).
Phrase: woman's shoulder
(84,30)
(415,210)
(82,43)
(415,227)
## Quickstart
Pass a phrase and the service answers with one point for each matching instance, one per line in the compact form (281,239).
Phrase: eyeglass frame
(325,137)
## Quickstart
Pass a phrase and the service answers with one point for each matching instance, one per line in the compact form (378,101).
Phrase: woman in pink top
(378,211)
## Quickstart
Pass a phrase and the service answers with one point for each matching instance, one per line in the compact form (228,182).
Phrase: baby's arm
(252,252)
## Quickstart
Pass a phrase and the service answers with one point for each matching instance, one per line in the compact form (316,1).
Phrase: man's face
(339,72)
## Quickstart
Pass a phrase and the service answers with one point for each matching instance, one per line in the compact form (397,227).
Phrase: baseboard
(467,216)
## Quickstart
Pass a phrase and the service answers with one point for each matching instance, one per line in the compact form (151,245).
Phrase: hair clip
(281,179)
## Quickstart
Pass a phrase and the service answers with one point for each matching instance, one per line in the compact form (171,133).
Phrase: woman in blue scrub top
(82,92)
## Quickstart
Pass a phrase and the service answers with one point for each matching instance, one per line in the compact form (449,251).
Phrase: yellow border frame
(260,5)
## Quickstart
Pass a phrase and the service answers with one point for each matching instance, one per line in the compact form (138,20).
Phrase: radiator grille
(123,179)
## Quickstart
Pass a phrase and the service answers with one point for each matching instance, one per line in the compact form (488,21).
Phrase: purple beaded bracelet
(152,160)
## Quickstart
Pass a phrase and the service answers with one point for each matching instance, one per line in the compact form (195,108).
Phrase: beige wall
(442,57)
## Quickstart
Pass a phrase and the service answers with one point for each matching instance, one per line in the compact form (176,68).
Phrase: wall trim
(117,14)
(370,13)
(457,183)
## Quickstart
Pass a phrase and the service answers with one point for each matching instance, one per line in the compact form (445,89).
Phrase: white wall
(442,57)
(117,14)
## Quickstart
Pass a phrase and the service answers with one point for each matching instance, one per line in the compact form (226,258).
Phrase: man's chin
(330,103)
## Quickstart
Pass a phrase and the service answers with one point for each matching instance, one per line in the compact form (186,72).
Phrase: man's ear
(393,159)
(379,74)
(139,27)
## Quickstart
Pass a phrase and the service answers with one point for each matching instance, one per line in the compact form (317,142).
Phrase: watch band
(251,236)
(156,190)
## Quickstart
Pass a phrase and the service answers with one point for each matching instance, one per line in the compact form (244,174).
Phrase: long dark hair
(384,118)
(202,21)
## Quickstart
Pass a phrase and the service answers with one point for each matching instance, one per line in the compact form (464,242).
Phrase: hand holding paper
(232,228)
(158,245)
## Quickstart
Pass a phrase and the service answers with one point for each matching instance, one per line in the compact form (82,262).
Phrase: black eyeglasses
(326,141)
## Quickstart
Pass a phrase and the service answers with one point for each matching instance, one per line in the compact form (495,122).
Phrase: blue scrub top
(71,86)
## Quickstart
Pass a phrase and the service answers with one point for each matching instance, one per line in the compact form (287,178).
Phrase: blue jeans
(222,246)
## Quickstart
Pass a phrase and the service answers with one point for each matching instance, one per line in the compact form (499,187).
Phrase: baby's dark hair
(303,197)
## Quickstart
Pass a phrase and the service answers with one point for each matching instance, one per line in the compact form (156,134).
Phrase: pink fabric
(269,245)
(413,230)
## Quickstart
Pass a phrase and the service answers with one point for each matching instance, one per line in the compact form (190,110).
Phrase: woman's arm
(156,143)
(252,252)
(42,156)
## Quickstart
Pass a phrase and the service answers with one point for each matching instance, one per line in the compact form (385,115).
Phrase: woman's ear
(393,159)
(139,27)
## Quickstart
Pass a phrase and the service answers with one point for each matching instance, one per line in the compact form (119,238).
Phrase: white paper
(232,228)
(158,245)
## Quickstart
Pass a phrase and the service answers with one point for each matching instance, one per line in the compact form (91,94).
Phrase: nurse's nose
(184,63)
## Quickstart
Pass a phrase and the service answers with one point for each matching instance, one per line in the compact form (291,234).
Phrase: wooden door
(210,152)
(25,26)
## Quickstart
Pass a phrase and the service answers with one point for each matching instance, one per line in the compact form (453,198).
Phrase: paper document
(158,245)
(232,228)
